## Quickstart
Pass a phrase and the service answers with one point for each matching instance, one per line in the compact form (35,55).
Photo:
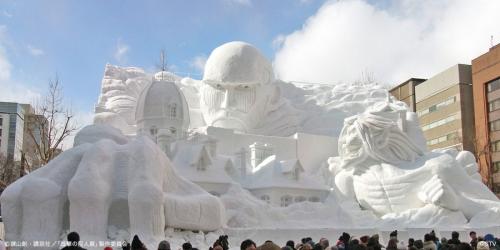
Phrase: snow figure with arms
(382,168)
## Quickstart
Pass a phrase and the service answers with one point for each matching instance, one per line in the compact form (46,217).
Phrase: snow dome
(162,108)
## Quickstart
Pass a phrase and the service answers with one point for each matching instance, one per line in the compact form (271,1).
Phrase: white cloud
(121,51)
(7,14)
(35,51)
(278,41)
(411,38)
(12,91)
(239,2)
(198,63)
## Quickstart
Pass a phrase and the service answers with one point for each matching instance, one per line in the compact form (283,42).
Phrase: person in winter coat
(429,242)
(137,244)
(73,239)
(454,238)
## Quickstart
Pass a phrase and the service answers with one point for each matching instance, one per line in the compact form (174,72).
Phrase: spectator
(463,246)
(125,245)
(291,244)
(411,241)
(73,239)
(248,245)
(400,245)
(324,243)
(429,243)
(187,246)
(483,245)
(392,245)
(318,246)
(364,240)
(454,238)
(269,245)
(164,245)
(419,244)
(137,244)
(473,239)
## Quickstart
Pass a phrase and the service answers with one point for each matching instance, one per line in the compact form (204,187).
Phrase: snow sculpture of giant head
(237,87)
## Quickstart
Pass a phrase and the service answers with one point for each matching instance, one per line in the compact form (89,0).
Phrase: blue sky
(308,40)
(75,39)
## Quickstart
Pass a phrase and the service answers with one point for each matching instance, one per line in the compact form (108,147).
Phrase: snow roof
(272,173)
(189,155)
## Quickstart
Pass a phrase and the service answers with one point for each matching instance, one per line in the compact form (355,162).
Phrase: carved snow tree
(50,123)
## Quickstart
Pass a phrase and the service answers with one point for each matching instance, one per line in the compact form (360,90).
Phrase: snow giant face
(240,107)
(237,87)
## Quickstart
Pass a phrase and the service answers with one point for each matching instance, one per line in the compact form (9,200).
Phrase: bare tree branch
(48,126)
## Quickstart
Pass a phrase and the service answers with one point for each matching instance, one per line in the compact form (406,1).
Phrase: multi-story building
(12,129)
(444,105)
(405,92)
(486,83)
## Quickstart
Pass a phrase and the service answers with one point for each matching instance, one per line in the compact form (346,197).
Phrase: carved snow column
(259,152)
(241,158)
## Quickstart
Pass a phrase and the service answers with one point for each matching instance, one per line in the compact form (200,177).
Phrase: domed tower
(162,111)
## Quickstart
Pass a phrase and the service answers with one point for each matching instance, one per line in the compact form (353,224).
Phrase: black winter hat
(137,243)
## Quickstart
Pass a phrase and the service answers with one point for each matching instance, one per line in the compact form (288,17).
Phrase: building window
(173,130)
(300,199)
(265,198)
(440,122)
(448,137)
(495,146)
(493,85)
(494,105)
(495,125)
(438,106)
(496,188)
(496,167)
(1,121)
(314,199)
(173,110)
(286,200)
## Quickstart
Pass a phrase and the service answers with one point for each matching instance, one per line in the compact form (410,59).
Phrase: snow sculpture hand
(436,192)
(106,180)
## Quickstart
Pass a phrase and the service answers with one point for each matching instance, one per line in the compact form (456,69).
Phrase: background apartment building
(12,129)
(444,106)
(17,146)
(486,83)
(405,92)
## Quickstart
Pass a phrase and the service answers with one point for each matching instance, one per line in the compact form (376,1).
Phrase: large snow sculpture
(382,169)
(107,180)
(119,93)
(239,92)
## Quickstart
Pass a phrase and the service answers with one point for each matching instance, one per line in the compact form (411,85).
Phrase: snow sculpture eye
(213,96)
